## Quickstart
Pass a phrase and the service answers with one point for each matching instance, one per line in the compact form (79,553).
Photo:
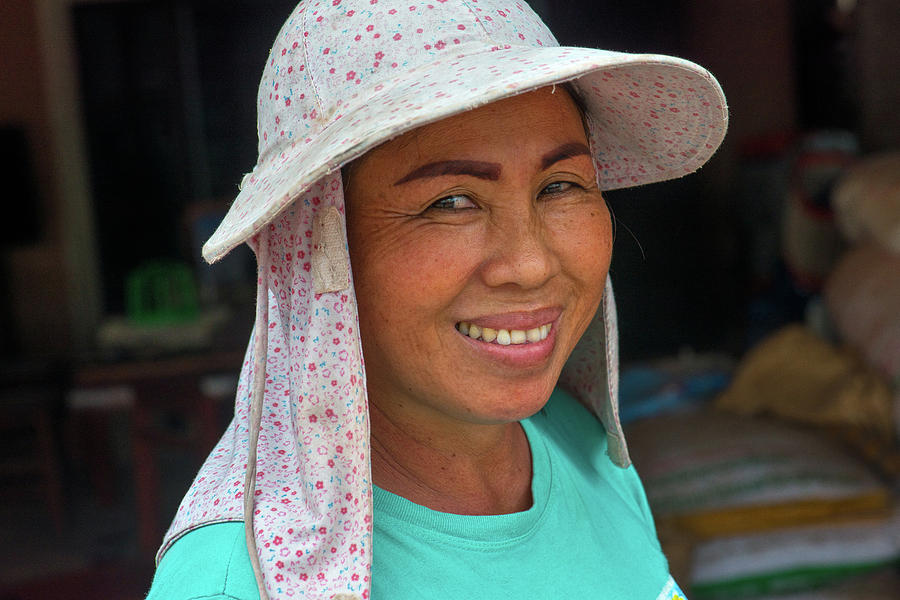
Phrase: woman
(470,175)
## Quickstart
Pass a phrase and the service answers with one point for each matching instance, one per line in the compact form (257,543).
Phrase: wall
(878,65)
(747,45)
(51,283)
(39,316)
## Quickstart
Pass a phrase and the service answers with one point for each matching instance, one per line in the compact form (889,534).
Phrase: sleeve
(636,488)
(209,563)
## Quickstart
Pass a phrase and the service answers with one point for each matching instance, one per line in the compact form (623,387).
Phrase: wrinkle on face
(418,270)
(490,215)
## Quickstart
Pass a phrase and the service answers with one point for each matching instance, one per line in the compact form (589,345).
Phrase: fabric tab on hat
(330,259)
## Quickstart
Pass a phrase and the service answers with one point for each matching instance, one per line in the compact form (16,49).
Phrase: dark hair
(580,105)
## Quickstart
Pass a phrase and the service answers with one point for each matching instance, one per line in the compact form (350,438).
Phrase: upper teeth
(504,337)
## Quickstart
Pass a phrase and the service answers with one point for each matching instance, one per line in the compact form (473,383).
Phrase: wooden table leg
(146,482)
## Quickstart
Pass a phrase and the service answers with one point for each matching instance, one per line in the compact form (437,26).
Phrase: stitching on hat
(309,70)
(478,20)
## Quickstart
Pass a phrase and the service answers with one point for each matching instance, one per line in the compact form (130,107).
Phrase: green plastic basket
(161,293)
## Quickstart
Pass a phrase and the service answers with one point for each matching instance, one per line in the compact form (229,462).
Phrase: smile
(504,337)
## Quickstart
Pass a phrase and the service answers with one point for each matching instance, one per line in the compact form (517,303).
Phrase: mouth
(505,336)
(514,339)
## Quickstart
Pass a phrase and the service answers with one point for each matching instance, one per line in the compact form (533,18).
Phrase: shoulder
(208,563)
(575,435)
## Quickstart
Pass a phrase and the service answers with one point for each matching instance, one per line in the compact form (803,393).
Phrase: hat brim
(643,131)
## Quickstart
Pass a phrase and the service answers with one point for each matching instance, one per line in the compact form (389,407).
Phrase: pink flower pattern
(313,496)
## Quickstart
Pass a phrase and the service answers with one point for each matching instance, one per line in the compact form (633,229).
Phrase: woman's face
(488,222)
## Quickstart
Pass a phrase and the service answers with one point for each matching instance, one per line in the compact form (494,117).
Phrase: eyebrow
(488,170)
(482,170)
(568,150)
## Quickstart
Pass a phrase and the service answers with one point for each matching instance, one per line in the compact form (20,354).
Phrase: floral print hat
(343,77)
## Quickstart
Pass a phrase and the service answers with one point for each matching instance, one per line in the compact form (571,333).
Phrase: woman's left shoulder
(576,437)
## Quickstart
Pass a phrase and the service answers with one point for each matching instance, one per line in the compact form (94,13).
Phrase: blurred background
(759,299)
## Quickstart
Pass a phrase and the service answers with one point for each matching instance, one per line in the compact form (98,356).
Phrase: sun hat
(346,75)
(343,76)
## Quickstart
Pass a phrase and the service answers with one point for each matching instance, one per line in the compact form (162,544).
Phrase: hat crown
(331,54)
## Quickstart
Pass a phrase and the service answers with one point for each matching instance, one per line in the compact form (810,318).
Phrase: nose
(521,251)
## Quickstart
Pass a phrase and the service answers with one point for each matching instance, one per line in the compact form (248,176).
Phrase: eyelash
(437,204)
(565,185)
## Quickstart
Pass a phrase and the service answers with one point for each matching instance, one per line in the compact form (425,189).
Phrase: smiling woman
(468,153)
(448,229)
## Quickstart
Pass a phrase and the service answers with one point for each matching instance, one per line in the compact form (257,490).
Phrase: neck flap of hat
(294,464)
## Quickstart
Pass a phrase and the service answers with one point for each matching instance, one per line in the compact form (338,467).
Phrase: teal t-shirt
(589,533)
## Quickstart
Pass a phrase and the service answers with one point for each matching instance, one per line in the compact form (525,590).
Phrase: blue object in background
(647,390)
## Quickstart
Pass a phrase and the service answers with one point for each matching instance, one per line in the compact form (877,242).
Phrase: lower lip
(522,356)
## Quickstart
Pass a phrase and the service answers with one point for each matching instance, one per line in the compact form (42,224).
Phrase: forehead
(541,119)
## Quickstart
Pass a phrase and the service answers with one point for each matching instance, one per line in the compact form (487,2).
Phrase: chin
(514,404)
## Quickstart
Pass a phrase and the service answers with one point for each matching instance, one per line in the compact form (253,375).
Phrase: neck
(461,468)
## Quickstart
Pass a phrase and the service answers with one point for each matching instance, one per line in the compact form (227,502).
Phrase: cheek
(584,243)
(600,234)
(586,256)
(404,272)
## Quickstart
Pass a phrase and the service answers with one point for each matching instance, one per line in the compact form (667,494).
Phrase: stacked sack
(786,485)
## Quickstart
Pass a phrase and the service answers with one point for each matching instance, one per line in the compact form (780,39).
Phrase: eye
(559,187)
(454,202)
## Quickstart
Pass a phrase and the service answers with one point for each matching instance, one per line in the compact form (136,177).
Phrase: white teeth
(504,337)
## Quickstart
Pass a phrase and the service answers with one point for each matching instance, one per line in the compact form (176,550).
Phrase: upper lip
(524,319)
